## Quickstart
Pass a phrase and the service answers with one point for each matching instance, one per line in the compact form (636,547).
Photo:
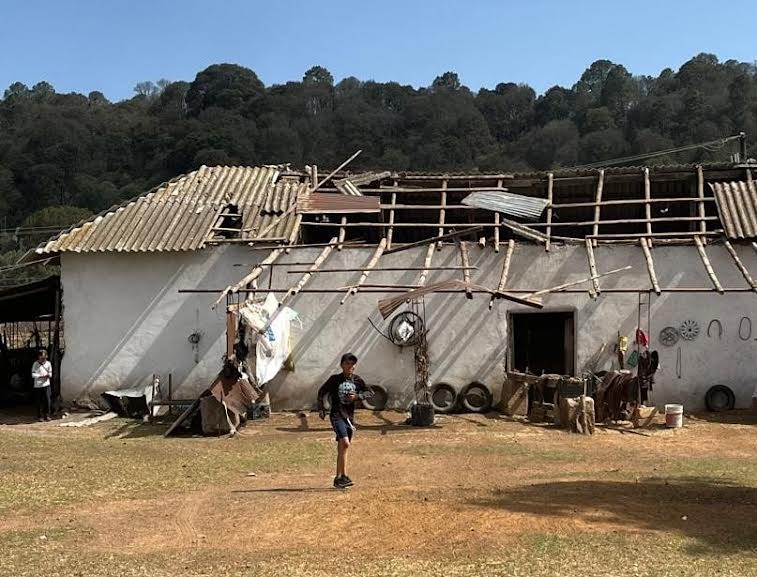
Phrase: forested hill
(75,150)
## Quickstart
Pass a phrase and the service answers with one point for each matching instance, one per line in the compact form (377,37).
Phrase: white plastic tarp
(272,347)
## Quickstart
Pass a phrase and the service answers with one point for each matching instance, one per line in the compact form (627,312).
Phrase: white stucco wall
(125,319)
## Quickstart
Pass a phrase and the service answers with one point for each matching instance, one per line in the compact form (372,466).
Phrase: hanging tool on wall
(717,323)
(679,363)
(748,326)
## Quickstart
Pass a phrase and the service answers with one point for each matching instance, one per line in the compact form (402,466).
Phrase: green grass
(40,472)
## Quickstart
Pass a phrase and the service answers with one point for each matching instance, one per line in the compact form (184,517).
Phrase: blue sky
(110,45)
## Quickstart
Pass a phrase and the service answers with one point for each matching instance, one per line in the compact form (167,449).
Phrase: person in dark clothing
(342,390)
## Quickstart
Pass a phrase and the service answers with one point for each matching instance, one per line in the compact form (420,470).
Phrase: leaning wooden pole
(650,266)
(367,271)
(427,264)
(561,287)
(740,265)
(465,260)
(550,187)
(598,207)
(505,270)
(708,266)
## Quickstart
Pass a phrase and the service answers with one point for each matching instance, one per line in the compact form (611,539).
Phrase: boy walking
(343,390)
(42,372)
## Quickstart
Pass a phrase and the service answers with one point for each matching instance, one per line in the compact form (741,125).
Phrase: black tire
(719,398)
(379,399)
(443,398)
(476,398)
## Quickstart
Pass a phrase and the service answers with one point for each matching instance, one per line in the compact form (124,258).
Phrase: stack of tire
(473,398)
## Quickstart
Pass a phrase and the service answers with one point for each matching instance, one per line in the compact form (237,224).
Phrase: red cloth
(642,338)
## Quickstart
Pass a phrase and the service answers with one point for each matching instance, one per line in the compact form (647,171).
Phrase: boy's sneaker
(339,483)
(346,481)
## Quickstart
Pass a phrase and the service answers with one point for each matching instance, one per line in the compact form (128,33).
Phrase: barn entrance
(543,343)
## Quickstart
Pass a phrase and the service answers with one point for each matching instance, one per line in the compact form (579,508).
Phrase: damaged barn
(569,273)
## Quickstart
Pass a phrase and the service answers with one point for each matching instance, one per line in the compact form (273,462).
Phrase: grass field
(475,495)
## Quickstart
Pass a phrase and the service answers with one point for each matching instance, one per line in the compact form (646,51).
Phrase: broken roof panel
(737,206)
(517,205)
(330,203)
(180,214)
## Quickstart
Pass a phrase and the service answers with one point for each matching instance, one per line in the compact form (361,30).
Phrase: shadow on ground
(719,515)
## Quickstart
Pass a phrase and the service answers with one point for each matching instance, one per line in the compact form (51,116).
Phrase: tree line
(65,156)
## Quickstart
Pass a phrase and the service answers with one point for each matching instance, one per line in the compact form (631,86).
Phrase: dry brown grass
(474,496)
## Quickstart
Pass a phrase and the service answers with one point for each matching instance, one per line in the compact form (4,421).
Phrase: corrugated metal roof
(181,214)
(737,206)
(329,202)
(508,203)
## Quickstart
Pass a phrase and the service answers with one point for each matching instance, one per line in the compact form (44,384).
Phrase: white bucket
(674,416)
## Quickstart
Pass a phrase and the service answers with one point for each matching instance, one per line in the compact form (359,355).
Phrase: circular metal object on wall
(689,330)
(669,336)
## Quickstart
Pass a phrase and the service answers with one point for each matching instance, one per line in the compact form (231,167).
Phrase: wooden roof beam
(707,265)
(363,277)
(740,265)
(650,265)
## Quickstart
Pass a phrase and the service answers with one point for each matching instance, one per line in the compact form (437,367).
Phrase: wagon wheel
(689,330)
(669,336)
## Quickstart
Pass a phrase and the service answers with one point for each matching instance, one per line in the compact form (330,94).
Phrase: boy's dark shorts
(341,428)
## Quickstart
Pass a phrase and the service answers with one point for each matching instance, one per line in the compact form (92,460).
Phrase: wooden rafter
(363,277)
(497,223)
(252,277)
(448,236)
(342,233)
(524,231)
(700,203)
(647,204)
(598,201)
(292,292)
(442,212)
(426,264)
(740,265)
(650,265)
(550,189)
(465,259)
(562,287)
(707,265)
(505,269)
(390,230)
(592,267)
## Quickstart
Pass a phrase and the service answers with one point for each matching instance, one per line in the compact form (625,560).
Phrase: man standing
(42,371)
(343,390)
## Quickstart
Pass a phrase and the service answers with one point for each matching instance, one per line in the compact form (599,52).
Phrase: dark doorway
(543,343)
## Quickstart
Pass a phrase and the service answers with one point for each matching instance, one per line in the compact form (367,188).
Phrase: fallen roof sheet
(330,203)
(508,203)
(737,206)
(180,215)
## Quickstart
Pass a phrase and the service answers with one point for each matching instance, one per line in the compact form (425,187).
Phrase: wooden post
(648,204)
(740,265)
(367,270)
(55,352)
(505,269)
(700,204)
(598,200)
(592,267)
(550,186)
(251,278)
(496,223)
(442,213)
(342,233)
(650,265)
(708,266)
(466,270)
(390,230)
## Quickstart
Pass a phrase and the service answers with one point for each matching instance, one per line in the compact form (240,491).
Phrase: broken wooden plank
(442,213)
(707,265)
(550,187)
(593,268)
(464,258)
(650,265)
(363,277)
(435,239)
(254,274)
(524,231)
(598,200)
(390,230)
(700,204)
(739,264)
